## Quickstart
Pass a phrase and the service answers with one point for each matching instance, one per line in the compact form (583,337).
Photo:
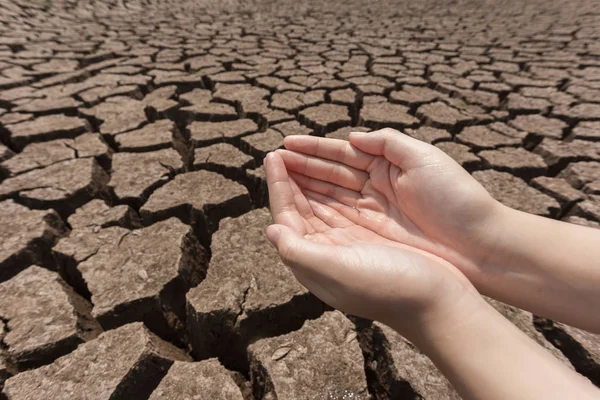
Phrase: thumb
(395,146)
(298,252)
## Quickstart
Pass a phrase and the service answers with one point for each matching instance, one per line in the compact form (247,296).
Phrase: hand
(356,269)
(399,188)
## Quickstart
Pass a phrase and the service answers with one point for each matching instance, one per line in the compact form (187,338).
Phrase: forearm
(484,356)
(548,267)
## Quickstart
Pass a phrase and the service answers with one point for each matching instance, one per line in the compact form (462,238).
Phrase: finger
(281,198)
(329,149)
(299,199)
(395,146)
(351,231)
(325,170)
(350,213)
(329,216)
(341,194)
(300,253)
(314,264)
(370,219)
(313,224)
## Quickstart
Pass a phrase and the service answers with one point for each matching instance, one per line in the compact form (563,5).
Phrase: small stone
(312,362)
(280,353)
(515,193)
(128,361)
(351,336)
(143,274)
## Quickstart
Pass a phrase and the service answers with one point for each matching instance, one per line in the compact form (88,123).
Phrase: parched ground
(133,262)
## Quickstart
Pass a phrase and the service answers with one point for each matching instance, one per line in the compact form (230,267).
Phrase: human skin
(368,232)
(415,194)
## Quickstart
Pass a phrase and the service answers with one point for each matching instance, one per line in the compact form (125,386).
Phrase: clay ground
(133,262)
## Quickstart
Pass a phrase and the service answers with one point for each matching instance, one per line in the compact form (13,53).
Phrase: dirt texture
(133,203)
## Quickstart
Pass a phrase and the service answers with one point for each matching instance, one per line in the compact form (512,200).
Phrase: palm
(310,214)
(344,195)
(335,215)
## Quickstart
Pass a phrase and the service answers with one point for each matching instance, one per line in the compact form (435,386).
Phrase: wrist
(488,255)
(446,318)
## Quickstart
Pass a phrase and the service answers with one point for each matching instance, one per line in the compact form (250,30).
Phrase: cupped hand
(398,188)
(352,267)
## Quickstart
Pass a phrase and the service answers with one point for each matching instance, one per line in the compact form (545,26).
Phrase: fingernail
(273,233)
(358,133)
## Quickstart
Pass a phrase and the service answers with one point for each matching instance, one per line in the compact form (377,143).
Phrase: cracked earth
(133,261)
